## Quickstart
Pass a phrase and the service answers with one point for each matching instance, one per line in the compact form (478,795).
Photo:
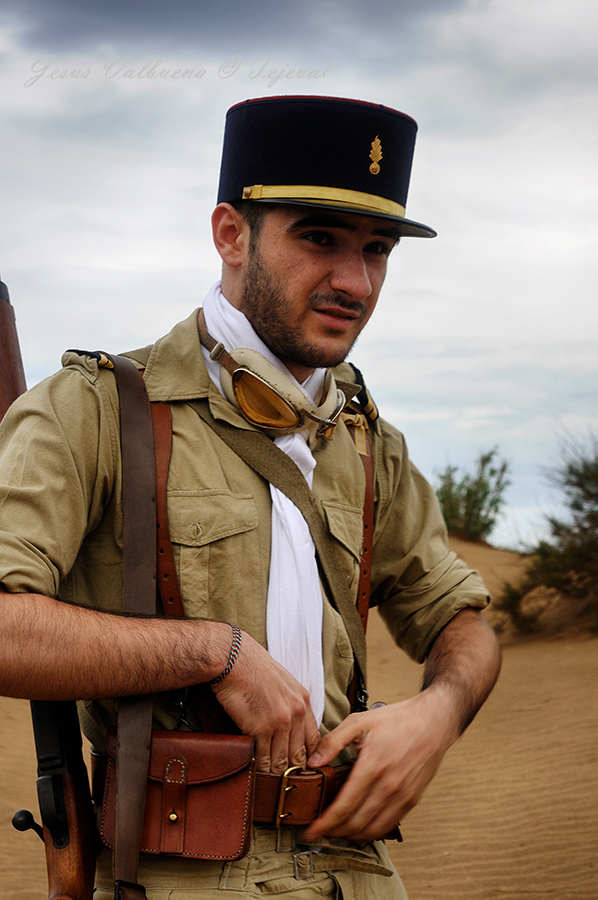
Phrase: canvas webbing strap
(259,452)
(139,598)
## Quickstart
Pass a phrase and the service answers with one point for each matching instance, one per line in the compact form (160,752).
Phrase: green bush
(471,503)
(568,559)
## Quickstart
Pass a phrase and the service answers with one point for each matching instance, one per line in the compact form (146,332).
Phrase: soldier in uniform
(311,204)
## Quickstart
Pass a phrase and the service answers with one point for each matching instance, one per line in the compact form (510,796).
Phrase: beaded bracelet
(232,657)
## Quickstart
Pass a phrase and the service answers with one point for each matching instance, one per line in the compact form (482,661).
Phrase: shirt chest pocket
(345,523)
(215,547)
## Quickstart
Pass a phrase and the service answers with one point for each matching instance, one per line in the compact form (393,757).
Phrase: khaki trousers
(274,866)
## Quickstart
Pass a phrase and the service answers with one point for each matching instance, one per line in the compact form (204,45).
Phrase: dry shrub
(566,563)
(472,502)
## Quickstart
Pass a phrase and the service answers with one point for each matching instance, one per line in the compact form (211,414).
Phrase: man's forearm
(54,651)
(463,664)
(401,745)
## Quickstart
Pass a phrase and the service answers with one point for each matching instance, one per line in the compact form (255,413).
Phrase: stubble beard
(265,304)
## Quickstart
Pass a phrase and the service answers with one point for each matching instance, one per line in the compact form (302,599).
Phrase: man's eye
(379,248)
(322,238)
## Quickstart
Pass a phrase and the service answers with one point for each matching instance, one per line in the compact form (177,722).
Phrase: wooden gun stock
(12,376)
(68,878)
(70,838)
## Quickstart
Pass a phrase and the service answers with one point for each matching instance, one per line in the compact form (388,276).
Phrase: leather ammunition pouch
(199,798)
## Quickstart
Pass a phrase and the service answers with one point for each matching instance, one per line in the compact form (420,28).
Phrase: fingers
(264,699)
(400,748)
(291,744)
(350,731)
(367,809)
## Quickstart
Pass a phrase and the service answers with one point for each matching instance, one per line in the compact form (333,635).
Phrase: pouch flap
(197,518)
(346,525)
(207,757)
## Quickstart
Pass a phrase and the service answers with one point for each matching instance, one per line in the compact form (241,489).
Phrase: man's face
(312,281)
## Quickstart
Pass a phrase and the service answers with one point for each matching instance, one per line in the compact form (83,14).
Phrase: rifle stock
(70,838)
(12,376)
(63,785)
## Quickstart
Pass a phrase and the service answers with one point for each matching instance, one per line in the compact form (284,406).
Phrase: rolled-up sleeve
(417,583)
(58,448)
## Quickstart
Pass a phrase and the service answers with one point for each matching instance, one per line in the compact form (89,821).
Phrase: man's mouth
(337,312)
(336,319)
(337,307)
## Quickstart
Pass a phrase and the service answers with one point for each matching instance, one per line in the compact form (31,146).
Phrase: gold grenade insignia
(375,155)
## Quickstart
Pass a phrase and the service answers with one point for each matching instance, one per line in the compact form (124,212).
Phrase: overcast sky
(485,336)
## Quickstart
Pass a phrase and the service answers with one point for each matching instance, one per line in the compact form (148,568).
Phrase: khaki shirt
(61,514)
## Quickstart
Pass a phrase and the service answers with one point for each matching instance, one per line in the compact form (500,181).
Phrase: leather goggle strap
(215,348)
(139,597)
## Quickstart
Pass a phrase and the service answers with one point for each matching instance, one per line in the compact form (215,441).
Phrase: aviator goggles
(270,400)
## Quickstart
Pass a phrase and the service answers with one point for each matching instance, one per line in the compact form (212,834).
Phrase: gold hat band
(339,196)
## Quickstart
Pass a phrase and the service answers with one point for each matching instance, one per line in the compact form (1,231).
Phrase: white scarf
(294,611)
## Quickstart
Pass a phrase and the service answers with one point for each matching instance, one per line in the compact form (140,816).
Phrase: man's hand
(265,700)
(401,746)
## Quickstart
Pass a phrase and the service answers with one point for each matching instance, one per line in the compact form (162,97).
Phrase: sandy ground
(512,813)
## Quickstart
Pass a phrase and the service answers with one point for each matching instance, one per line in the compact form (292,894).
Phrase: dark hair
(254,214)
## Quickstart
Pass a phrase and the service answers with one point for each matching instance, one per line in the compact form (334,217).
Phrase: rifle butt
(71,868)
(12,375)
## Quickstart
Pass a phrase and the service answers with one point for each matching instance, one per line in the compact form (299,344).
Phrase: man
(311,204)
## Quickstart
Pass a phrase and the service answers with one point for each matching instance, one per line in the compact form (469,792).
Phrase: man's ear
(231,235)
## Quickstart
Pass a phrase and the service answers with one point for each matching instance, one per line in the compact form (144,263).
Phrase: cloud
(66,25)
(483,336)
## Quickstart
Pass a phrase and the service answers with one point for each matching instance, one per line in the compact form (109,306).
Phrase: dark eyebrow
(322,220)
(392,233)
(329,220)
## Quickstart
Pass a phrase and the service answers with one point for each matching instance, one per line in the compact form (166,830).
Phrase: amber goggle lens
(261,403)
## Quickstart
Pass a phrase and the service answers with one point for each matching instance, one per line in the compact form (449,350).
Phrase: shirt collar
(176,370)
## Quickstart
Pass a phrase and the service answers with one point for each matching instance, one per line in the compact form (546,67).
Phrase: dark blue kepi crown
(321,151)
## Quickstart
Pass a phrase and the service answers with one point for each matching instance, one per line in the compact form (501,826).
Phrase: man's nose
(351,277)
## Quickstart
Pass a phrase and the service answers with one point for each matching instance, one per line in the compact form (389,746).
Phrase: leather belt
(297,797)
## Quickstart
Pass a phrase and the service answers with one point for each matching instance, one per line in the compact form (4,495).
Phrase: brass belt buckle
(285,787)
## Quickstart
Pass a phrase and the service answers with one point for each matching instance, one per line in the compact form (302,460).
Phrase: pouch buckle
(285,787)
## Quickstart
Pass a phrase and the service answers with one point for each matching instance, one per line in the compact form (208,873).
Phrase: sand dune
(513,811)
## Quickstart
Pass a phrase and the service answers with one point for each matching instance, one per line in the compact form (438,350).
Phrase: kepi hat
(324,152)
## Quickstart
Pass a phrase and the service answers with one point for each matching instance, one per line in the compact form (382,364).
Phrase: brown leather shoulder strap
(168,582)
(357,693)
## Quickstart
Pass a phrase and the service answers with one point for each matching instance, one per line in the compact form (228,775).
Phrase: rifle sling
(139,598)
